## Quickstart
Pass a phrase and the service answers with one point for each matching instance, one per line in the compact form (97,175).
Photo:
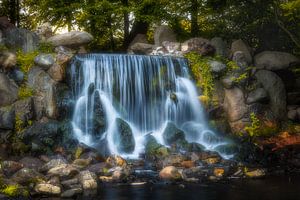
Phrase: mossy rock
(155,150)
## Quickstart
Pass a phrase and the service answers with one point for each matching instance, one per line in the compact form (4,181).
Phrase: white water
(145,91)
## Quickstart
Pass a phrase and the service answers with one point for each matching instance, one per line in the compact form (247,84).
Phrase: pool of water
(273,188)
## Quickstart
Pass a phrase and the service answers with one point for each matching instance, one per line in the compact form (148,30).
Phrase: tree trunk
(194,17)
(126,24)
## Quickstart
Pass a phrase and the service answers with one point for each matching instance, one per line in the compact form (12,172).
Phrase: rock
(7,117)
(42,136)
(69,182)
(240,59)
(124,137)
(71,192)
(44,61)
(24,110)
(119,173)
(258,173)
(52,164)
(171,47)
(172,134)
(63,170)
(199,45)
(97,168)
(45,93)
(153,149)
(27,176)
(18,38)
(8,90)
(44,31)
(45,188)
(32,163)
(54,180)
(7,60)
(88,181)
(141,48)
(276,90)
(293,97)
(139,38)
(71,39)
(10,167)
(57,72)
(212,160)
(188,164)
(227,82)
(275,60)
(106,179)
(82,163)
(240,45)
(234,104)
(219,172)
(217,67)
(163,33)
(220,46)
(115,160)
(173,160)
(16,75)
(170,173)
(99,117)
(258,95)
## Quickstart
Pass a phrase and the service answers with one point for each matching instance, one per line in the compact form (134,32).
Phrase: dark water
(274,188)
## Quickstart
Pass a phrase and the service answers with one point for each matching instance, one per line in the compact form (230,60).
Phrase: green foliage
(26,60)
(25,92)
(240,78)
(13,191)
(201,71)
(253,130)
(19,124)
(45,47)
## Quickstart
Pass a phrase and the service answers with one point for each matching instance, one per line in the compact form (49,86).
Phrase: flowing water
(147,92)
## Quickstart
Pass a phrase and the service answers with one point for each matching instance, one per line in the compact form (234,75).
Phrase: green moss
(201,71)
(25,92)
(253,129)
(240,78)
(78,152)
(14,191)
(26,61)
(46,47)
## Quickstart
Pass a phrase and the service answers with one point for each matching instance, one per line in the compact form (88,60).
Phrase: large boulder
(220,46)
(57,72)
(124,137)
(44,31)
(170,173)
(234,104)
(24,109)
(163,33)
(44,61)
(275,60)
(217,67)
(276,91)
(71,39)
(99,116)
(8,90)
(172,134)
(141,48)
(241,60)
(199,45)
(139,38)
(18,38)
(258,95)
(45,93)
(7,117)
(240,45)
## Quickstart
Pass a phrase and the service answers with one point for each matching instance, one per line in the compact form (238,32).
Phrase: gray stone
(71,192)
(88,181)
(71,39)
(16,75)
(44,61)
(234,104)
(220,46)
(64,171)
(240,59)
(24,109)
(52,163)
(45,93)
(8,60)
(44,31)
(258,95)
(32,163)
(171,47)
(227,82)
(124,137)
(276,90)
(217,67)
(7,117)
(139,38)
(172,134)
(240,45)
(292,115)
(199,45)
(26,176)
(46,188)
(275,60)
(163,33)
(8,90)
(141,48)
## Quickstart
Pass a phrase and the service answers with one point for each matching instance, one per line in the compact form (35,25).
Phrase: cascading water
(137,95)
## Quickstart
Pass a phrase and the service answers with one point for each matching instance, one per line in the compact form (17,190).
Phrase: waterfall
(140,94)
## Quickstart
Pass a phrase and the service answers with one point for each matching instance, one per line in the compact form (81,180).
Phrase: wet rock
(276,90)
(45,188)
(275,60)
(44,61)
(119,174)
(106,179)
(97,168)
(52,164)
(88,182)
(8,90)
(234,104)
(172,134)
(217,67)
(10,167)
(173,160)
(82,163)
(71,192)
(16,75)
(124,137)
(199,45)
(26,176)
(153,149)
(45,93)
(7,117)
(170,173)
(220,46)
(163,33)
(32,163)
(212,160)
(71,39)
(141,48)
(115,160)
(63,170)
(240,45)
(258,95)
(188,164)
(99,119)
(68,183)
(258,173)
(219,172)
(54,180)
